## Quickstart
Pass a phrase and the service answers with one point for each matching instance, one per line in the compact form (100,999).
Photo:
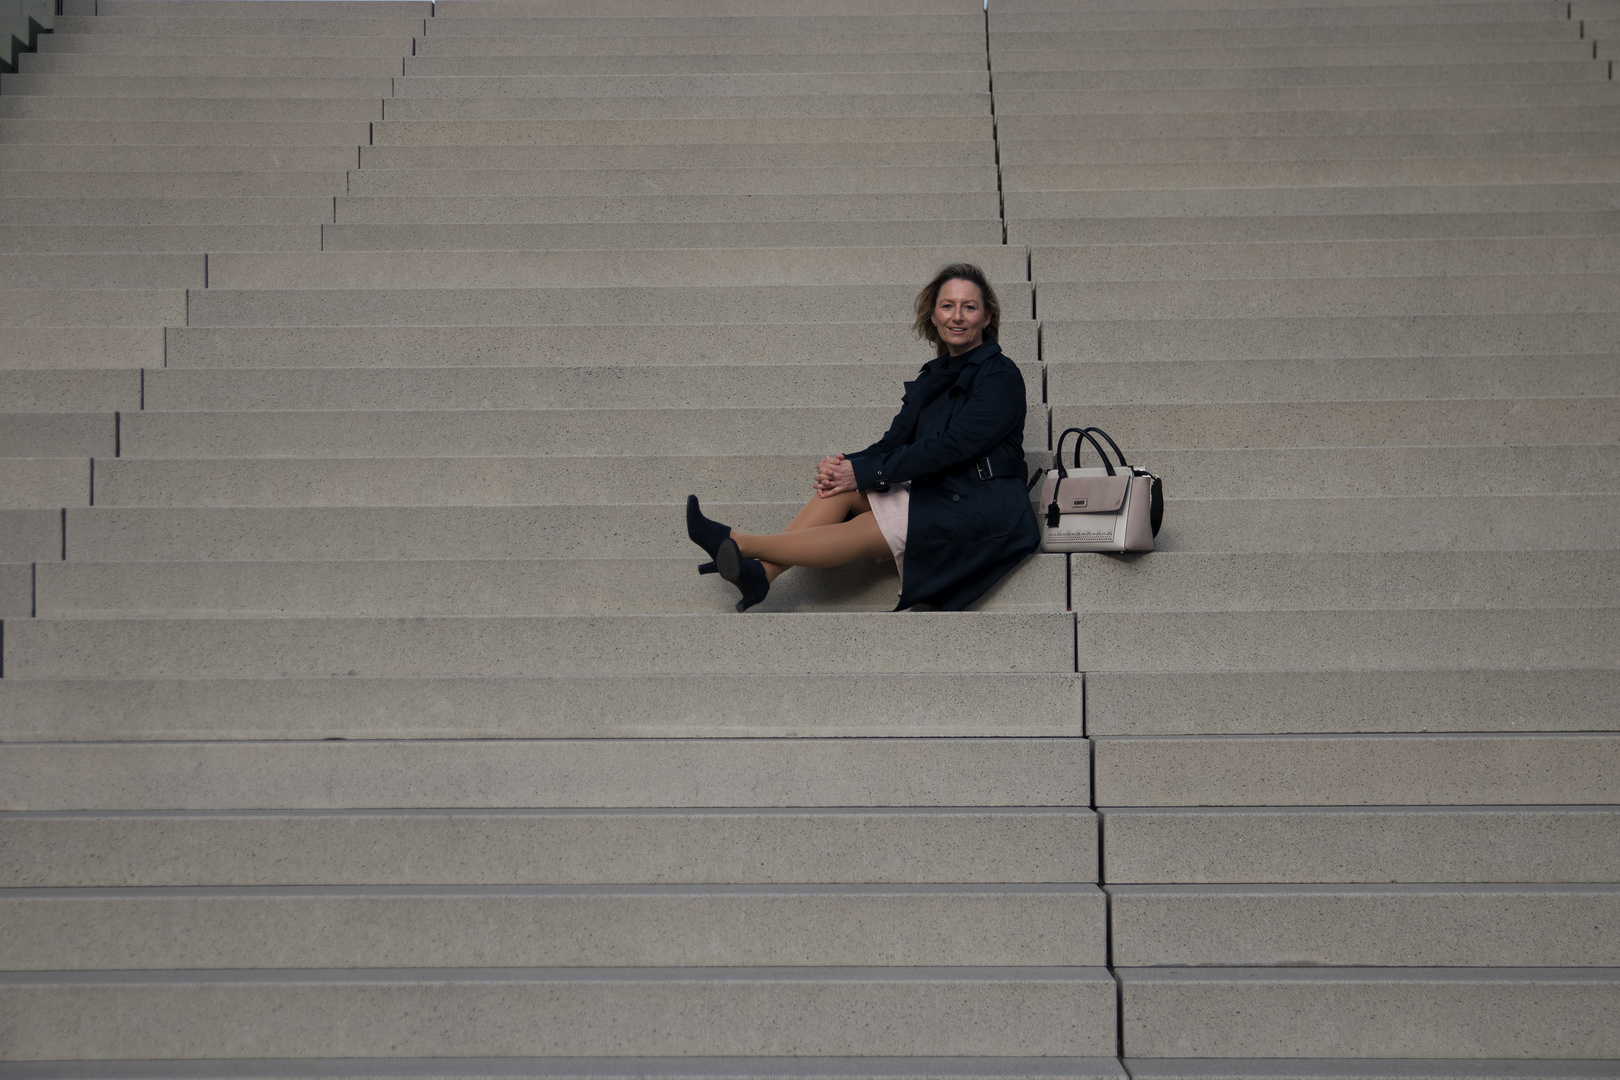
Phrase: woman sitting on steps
(942,493)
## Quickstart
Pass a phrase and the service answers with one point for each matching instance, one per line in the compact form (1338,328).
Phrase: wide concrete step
(346,133)
(609,305)
(1014,127)
(1350,99)
(1374,925)
(545,707)
(1051,34)
(943,109)
(106,85)
(214,185)
(648,9)
(1155,228)
(688,181)
(1269,16)
(1482,294)
(190,515)
(569,346)
(214,24)
(609,268)
(57,347)
(1428,55)
(787,430)
(1260,703)
(748,86)
(70,391)
(820,65)
(1337,640)
(579,773)
(165,210)
(93,307)
(1364,146)
(633,1068)
(1187,581)
(1534,1012)
(667,585)
(153,240)
(1357,379)
(354,479)
(58,434)
(1026,77)
(270,9)
(117,157)
(549,847)
(580,926)
(1477,422)
(800,643)
(1309,845)
(711,130)
(964,20)
(225,110)
(941,148)
(271,40)
(1329,337)
(675,208)
(644,235)
(28,535)
(1357,770)
(737,386)
(102,270)
(530,1011)
(1374,172)
(656,40)
(47,65)
(516,489)
(43,482)
(1484,198)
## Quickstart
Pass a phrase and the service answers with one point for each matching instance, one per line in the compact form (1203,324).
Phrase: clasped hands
(834,476)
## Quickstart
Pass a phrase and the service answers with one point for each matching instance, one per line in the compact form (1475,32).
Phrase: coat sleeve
(991,414)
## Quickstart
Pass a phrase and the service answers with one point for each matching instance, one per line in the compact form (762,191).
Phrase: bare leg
(831,544)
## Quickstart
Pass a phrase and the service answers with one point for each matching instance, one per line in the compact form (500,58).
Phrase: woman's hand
(834,476)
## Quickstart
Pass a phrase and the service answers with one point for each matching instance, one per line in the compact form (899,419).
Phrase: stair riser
(550,848)
(687,706)
(1550,845)
(950,926)
(1418,926)
(591,773)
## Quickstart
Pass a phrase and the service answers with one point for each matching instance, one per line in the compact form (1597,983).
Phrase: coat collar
(950,365)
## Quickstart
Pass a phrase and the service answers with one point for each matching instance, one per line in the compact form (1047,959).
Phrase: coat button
(956,498)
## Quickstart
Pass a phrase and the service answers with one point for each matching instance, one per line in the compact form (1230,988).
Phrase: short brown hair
(924,325)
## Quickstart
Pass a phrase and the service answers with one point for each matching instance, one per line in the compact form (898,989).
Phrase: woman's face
(959,316)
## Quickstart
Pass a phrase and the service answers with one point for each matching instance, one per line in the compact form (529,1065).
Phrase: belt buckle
(985,470)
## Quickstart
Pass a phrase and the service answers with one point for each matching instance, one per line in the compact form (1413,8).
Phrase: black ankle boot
(747,574)
(704,533)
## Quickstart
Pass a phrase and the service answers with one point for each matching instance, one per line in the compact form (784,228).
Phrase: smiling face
(960,316)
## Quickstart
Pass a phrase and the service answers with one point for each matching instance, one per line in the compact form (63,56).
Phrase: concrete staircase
(363,715)
(1349,276)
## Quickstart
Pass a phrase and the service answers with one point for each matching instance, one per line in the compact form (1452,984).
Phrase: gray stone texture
(1525,1012)
(362,713)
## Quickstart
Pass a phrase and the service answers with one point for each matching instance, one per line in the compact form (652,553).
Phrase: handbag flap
(1090,494)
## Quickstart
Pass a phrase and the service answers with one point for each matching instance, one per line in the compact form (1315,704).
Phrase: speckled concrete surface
(561,847)
(565,926)
(1374,925)
(598,773)
(1372,1012)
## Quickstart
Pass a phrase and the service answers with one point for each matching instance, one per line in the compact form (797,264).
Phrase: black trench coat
(959,439)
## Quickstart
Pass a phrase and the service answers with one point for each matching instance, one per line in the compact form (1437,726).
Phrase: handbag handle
(1120,454)
(1084,433)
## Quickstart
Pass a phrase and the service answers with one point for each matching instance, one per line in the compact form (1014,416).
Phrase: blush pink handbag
(1104,509)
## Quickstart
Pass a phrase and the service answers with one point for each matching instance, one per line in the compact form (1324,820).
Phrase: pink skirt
(892,509)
